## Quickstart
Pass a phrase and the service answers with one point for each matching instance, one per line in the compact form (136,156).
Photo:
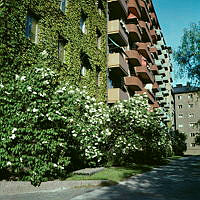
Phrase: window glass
(180,106)
(83,24)
(63,5)
(32,28)
(179,97)
(61,49)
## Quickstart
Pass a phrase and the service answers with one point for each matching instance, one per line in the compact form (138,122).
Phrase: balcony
(117,64)
(163,86)
(153,35)
(146,37)
(162,72)
(158,62)
(144,74)
(163,101)
(161,57)
(159,78)
(134,57)
(154,69)
(159,95)
(117,32)
(134,83)
(144,11)
(166,79)
(154,19)
(166,93)
(155,87)
(133,8)
(149,95)
(154,51)
(117,8)
(167,106)
(143,49)
(166,65)
(116,94)
(159,34)
(134,32)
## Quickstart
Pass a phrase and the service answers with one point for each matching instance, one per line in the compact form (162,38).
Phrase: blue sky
(174,16)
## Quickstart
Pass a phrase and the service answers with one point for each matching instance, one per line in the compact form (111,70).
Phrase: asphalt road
(180,180)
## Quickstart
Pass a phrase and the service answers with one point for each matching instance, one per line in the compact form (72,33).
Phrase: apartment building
(71,34)
(138,59)
(187,113)
(115,48)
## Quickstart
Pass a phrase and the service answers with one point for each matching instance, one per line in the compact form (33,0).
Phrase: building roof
(185,89)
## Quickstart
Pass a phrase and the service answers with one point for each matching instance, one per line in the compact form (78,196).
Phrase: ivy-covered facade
(69,35)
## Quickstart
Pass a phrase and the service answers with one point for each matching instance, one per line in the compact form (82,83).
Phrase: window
(180,106)
(190,105)
(100,7)
(82,23)
(192,144)
(179,97)
(32,28)
(191,124)
(63,5)
(98,39)
(190,96)
(192,134)
(191,115)
(180,116)
(180,125)
(61,49)
(85,64)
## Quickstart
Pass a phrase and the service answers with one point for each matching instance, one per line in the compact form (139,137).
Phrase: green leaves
(187,55)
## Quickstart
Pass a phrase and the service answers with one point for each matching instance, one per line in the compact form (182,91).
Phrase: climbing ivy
(19,53)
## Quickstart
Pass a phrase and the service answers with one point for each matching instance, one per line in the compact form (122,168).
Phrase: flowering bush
(34,141)
(49,128)
(138,133)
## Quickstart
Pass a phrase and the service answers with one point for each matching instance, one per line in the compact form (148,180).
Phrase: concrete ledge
(20,187)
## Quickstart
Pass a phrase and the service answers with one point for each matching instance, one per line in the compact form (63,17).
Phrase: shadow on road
(178,180)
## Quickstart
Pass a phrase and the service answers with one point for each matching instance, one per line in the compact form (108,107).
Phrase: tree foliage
(188,53)
(49,128)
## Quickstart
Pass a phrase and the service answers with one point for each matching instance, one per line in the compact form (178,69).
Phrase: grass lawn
(114,174)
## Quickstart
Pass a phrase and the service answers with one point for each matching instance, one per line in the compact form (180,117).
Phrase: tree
(188,53)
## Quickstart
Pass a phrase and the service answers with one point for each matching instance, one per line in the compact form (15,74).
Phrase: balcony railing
(134,57)
(154,69)
(144,50)
(117,8)
(117,32)
(117,63)
(144,11)
(153,35)
(134,83)
(144,74)
(159,95)
(133,8)
(116,94)
(134,32)
(146,37)
(155,87)
(159,78)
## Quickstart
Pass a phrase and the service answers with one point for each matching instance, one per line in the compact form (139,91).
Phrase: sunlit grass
(114,174)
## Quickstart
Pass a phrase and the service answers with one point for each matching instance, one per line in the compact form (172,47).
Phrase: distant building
(187,113)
